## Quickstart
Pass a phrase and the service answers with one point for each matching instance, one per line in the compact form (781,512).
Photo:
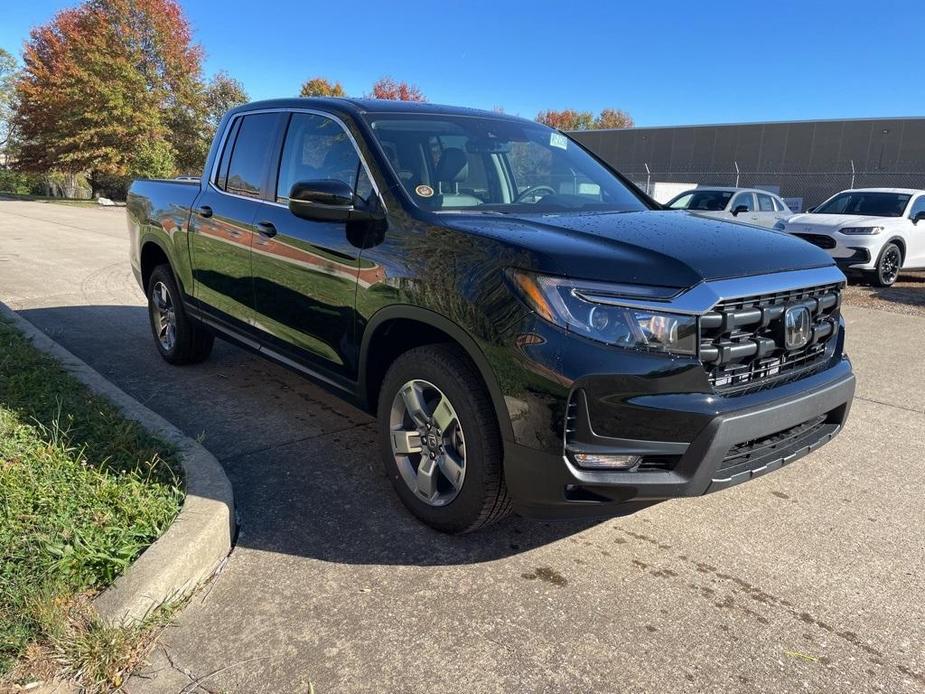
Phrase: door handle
(204,211)
(266,229)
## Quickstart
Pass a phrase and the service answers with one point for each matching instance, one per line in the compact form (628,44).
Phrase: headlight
(565,303)
(861,230)
(780,225)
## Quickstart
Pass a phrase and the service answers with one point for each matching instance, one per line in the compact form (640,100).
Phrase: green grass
(82,493)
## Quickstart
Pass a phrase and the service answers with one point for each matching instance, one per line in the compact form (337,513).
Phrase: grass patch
(83,492)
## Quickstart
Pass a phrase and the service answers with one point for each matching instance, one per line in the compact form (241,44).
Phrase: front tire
(439,440)
(888,265)
(179,339)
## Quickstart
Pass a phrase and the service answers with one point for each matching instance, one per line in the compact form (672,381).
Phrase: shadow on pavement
(305,469)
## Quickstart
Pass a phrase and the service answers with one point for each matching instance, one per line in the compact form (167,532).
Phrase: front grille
(818,240)
(742,340)
(749,456)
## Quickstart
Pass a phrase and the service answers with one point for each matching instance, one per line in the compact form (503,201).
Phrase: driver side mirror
(739,209)
(919,216)
(327,200)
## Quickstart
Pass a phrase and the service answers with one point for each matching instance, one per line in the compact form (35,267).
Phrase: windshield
(867,204)
(706,200)
(488,164)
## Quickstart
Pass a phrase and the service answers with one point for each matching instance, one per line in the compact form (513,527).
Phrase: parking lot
(809,579)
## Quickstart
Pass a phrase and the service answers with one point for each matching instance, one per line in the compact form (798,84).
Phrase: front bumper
(736,440)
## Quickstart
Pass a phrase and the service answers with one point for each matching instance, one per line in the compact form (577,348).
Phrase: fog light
(605,461)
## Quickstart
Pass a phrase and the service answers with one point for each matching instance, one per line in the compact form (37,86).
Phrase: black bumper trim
(538,480)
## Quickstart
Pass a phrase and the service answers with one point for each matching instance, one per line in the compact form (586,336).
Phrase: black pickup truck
(533,333)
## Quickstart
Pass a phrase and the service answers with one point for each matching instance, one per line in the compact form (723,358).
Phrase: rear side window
(221,177)
(765,204)
(254,148)
(316,149)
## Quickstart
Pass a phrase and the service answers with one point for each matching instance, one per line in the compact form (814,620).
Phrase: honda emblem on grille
(798,327)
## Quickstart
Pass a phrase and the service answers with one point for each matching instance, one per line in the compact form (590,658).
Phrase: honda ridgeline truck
(532,332)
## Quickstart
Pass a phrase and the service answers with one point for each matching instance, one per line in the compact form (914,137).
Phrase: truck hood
(827,223)
(658,248)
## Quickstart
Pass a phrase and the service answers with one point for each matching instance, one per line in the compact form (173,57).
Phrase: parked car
(873,231)
(532,332)
(750,205)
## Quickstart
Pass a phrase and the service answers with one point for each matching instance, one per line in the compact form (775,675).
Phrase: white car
(876,231)
(749,205)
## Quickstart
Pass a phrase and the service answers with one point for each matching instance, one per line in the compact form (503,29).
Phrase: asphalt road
(810,579)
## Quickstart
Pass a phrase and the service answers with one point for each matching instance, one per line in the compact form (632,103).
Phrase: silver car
(749,205)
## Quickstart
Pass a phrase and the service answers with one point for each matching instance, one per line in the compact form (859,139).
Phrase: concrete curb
(201,535)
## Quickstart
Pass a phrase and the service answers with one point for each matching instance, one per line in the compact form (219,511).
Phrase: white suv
(748,205)
(877,231)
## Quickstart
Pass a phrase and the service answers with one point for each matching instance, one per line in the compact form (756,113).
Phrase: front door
(222,223)
(747,200)
(305,272)
(915,251)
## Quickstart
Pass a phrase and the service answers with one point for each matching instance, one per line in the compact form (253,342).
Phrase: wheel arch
(153,254)
(901,242)
(434,327)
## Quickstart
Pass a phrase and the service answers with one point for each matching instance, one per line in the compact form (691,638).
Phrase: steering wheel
(533,190)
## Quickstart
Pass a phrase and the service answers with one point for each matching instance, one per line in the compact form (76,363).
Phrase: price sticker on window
(558,140)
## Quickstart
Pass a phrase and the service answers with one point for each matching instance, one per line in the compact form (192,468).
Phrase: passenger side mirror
(919,216)
(328,200)
(739,209)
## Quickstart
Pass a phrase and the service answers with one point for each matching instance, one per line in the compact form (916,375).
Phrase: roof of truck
(360,106)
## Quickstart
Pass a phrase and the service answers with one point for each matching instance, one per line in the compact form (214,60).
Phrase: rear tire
(178,338)
(452,417)
(889,263)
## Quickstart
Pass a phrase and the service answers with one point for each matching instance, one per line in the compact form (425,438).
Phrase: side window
(765,203)
(221,175)
(682,203)
(744,199)
(917,207)
(249,164)
(317,148)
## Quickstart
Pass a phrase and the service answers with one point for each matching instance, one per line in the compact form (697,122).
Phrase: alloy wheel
(164,316)
(889,266)
(427,442)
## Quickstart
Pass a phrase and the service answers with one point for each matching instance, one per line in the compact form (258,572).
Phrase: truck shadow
(304,465)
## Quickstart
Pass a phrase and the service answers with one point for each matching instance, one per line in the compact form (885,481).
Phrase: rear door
(766,214)
(306,271)
(222,224)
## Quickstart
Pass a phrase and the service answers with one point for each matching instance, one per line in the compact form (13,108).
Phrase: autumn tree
(319,86)
(570,119)
(613,118)
(7,97)
(112,88)
(387,88)
(222,94)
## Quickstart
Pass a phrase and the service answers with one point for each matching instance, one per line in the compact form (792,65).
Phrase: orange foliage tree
(570,119)
(319,86)
(387,88)
(113,88)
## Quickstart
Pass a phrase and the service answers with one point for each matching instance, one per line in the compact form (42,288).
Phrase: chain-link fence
(801,189)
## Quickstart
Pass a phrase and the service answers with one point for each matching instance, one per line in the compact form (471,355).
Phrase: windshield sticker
(424,191)
(558,140)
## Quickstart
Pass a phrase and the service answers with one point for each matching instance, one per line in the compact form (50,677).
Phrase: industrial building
(804,161)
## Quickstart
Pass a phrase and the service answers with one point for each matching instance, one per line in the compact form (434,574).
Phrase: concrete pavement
(809,579)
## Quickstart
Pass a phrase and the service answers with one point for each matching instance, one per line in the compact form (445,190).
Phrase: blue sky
(667,62)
